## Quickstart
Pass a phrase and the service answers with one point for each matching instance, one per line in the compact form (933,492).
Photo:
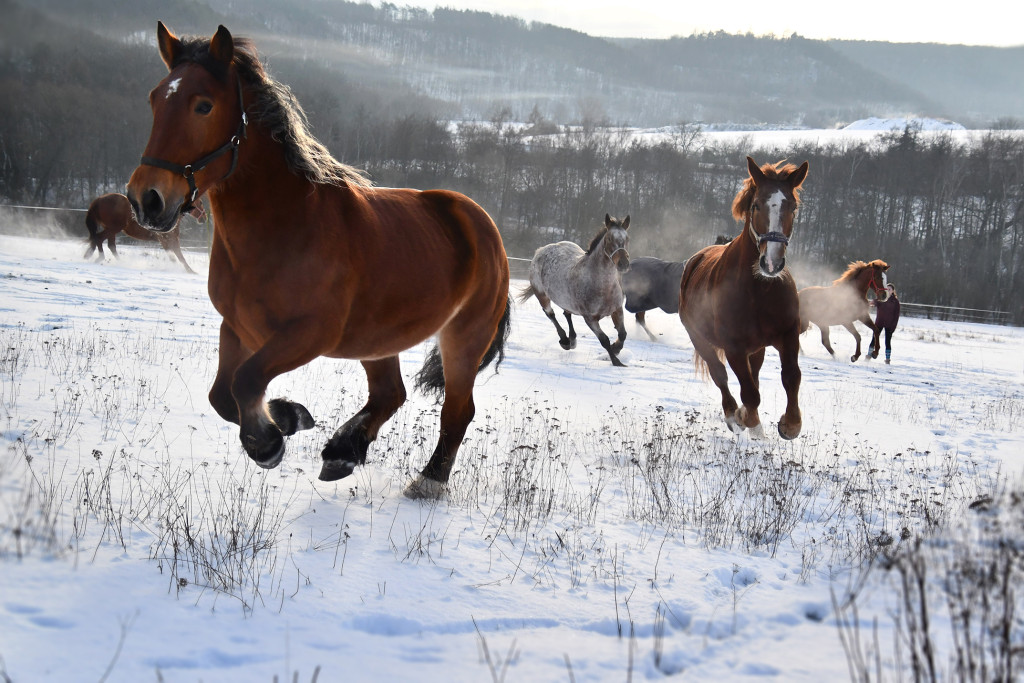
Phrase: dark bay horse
(586,284)
(111,213)
(739,298)
(845,302)
(308,259)
(652,283)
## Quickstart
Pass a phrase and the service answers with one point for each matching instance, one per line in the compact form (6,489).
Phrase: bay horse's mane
(597,239)
(276,108)
(777,171)
(856,268)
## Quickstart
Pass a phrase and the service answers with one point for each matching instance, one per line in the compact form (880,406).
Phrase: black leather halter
(188,171)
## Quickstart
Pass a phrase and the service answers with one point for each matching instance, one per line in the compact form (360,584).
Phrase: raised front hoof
(789,430)
(734,425)
(290,417)
(333,470)
(567,344)
(424,488)
(267,452)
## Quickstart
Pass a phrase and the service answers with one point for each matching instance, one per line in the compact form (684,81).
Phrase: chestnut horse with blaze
(739,298)
(310,260)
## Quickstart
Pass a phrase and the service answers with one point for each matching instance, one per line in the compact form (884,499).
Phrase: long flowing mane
(777,171)
(275,107)
(852,271)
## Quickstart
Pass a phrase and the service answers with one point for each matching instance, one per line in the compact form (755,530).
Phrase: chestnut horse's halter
(188,171)
(879,291)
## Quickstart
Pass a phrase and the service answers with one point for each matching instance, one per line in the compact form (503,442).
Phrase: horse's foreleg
(572,330)
(231,355)
(348,447)
(264,425)
(594,325)
(750,394)
(618,319)
(720,376)
(791,421)
(175,247)
(641,320)
(856,335)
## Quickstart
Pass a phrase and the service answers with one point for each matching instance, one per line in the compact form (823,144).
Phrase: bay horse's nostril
(152,206)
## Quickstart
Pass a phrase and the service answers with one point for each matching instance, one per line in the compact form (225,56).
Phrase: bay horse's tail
(430,378)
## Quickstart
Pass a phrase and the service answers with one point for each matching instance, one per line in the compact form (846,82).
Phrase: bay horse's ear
(222,46)
(797,177)
(625,222)
(755,171)
(170,46)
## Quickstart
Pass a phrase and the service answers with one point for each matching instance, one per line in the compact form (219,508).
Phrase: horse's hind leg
(563,340)
(720,376)
(594,325)
(347,448)
(825,340)
(856,335)
(112,243)
(462,345)
(641,320)
(572,330)
(174,246)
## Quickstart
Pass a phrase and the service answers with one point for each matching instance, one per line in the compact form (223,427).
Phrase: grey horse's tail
(430,378)
(526,294)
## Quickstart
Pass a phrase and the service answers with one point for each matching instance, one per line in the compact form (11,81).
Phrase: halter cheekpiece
(188,171)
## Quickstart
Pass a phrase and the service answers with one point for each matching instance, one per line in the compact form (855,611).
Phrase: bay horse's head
(767,205)
(198,124)
(613,240)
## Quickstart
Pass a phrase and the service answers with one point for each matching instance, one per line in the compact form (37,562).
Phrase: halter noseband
(188,171)
(773,236)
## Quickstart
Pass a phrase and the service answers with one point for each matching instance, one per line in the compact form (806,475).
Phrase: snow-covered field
(602,524)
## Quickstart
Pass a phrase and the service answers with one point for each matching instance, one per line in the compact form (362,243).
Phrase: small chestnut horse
(738,298)
(845,302)
(586,284)
(111,213)
(309,260)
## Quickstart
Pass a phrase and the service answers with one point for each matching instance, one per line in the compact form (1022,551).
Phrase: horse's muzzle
(773,270)
(152,212)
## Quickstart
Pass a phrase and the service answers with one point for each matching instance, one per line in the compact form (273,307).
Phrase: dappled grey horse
(652,283)
(586,284)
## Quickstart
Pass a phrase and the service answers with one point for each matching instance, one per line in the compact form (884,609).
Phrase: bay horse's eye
(204,107)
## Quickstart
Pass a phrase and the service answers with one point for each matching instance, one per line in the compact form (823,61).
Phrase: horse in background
(736,299)
(587,284)
(112,213)
(845,302)
(308,259)
(652,283)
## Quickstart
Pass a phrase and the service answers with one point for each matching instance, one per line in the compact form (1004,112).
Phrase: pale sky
(971,22)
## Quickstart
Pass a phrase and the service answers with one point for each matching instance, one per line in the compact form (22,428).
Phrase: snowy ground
(602,525)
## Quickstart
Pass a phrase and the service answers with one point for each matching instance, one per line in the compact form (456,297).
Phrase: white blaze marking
(172,88)
(775,211)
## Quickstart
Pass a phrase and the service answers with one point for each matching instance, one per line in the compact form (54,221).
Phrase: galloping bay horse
(845,302)
(308,259)
(737,299)
(111,213)
(584,283)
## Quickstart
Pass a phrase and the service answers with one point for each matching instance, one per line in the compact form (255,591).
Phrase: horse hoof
(788,431)
(333,470)
(734,425)
(268,454)
(289,417)
(422,488)
(566,344)
(853,359)
(617,363)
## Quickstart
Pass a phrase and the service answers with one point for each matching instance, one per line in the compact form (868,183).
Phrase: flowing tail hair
(430,378)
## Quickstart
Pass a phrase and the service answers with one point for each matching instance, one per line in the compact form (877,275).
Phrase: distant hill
(473,65)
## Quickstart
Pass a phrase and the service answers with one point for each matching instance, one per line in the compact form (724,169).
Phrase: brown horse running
(309,260)
(111,213)
(736,299)
(845,302)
